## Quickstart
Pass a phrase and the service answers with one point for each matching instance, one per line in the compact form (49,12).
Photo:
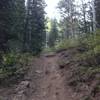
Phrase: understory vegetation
(22,34)
(86,59)
(13,66)
(89,47)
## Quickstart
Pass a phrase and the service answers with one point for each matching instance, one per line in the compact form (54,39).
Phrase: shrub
(13,64)
(67,43)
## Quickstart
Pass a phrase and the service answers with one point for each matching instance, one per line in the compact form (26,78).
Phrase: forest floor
(46,80)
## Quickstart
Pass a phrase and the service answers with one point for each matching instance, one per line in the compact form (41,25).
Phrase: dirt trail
(43,82)
(53,87)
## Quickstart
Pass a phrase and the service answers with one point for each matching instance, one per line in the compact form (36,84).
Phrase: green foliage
(4,23)
(97,49)
(22,29)
(67,43)
(14,64)
(9,59)
(53,34)
(97,9)
(19,30)
(89,66)
(34,37)
(92,43)
(47,50)
(84,56)
(89,71)
(17,22)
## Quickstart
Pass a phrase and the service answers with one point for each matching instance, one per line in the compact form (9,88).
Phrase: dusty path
(53,86)
(43,82)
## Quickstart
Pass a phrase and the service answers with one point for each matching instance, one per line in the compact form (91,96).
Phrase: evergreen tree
(53,34)
(4,23)
(35,26)
(97,8)
(17,24)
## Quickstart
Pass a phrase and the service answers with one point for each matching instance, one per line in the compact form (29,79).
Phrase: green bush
(48,49)
(97,49)
(9,59)
(14,64)
(67,43)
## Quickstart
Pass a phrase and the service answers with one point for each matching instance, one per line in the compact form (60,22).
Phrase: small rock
(39,71)
(44,94)
(21,92)
(23,85)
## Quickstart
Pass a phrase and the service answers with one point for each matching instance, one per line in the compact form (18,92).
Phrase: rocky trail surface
(45,81)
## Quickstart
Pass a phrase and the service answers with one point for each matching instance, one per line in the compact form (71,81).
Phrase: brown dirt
(46,80)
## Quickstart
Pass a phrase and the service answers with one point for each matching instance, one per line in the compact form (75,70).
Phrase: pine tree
(17,24)
(97,8)
(53,34)
(35,26)
(22,28)
(4,23)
